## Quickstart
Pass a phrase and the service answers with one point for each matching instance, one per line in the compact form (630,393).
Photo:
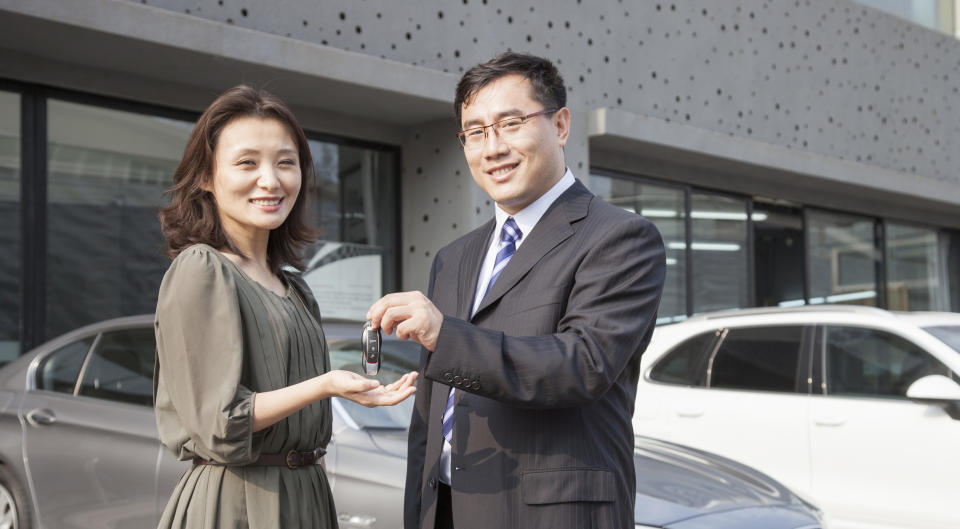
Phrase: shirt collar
(529,216)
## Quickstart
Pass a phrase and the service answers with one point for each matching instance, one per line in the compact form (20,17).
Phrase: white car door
(751,404)
(879,460)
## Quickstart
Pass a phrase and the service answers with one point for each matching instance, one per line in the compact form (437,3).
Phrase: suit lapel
(470,263)
(552,229)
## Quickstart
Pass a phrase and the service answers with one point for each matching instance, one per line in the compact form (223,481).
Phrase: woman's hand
(372,395)
(272,406)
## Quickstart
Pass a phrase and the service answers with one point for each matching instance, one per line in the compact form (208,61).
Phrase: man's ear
(561,121)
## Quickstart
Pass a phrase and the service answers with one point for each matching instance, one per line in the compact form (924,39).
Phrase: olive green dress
(221,338)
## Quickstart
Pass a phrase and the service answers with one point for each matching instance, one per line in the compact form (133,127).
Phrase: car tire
(14,508)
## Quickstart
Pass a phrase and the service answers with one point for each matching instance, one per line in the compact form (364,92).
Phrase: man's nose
(493,144)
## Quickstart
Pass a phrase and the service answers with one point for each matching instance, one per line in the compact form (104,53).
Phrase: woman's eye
(246,162)
(288,162)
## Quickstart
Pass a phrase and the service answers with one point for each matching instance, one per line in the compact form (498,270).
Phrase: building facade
(790,151)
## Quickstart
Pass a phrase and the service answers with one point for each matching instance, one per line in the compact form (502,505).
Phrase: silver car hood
(390,441)
(677,483)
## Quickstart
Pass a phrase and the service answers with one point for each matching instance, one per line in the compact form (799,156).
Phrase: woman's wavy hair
(192,215)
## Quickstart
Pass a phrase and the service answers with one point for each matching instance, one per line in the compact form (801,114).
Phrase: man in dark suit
(533,328)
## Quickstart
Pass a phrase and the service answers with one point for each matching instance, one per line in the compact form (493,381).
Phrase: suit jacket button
(457,380)
(448,377)
(433,483)
(475,384)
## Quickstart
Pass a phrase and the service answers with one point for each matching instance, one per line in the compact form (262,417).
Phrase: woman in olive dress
(243,374)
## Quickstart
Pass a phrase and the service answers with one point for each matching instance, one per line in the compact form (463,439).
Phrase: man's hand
(411,314)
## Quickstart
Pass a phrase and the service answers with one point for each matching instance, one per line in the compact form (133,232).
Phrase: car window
(682,365)
(59,370)
(759,358)
(871,362)
(121,367)
(948,334)
(397,358)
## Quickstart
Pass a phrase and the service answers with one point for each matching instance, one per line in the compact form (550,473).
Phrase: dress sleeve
(200,351)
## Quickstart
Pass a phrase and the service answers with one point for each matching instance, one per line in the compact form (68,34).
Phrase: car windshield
(397,358)
(948,334)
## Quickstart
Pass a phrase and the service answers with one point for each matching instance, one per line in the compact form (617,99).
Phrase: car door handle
(691,413)
(41,417)
(829,420)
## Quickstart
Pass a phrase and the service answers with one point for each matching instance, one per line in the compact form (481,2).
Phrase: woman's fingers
(406,380)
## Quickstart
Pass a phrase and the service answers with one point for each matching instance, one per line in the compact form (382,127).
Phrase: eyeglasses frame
(461,135)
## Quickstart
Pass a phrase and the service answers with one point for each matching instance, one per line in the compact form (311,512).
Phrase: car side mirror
(937,390)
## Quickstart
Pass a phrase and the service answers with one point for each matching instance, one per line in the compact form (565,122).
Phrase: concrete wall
(828,77)
(860,104)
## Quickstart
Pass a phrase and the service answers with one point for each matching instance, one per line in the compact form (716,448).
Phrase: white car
(855,408)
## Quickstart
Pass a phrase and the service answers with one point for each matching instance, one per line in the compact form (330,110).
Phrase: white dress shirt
(526,219)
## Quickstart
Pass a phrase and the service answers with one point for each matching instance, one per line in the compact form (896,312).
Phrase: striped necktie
(509,236)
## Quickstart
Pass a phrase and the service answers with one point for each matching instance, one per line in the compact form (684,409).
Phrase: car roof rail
(737,313)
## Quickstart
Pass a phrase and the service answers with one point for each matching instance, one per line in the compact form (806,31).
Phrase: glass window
(759,358)
(121,367)
(913,269)
(354,204)
(841,259)
(9,226)
(778,255)
(950,263)
(870,362)
(719,247)
(948,334)
(107,171)
(398,358)
(664,206)
(684,364)
(60,369)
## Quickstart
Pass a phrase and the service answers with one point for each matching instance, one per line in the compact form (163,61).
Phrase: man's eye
(511,124)
(474,133)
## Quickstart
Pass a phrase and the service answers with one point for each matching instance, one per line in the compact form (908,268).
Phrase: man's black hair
(543,76)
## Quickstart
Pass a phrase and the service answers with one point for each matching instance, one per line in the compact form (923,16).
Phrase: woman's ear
(206,184)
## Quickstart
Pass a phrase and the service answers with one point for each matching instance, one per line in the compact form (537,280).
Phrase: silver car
(79,448)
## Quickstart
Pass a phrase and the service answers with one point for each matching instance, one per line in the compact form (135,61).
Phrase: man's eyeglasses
(474,137)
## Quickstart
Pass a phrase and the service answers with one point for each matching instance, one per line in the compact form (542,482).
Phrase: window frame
(879,234)
(91,353)
(804,358)
(37,365)
(34,194)
(701,360)
(820,354)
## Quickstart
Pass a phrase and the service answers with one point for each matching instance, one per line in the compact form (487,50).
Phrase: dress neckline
(283,277)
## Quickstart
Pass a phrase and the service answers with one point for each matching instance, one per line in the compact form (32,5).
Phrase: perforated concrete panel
(829,77)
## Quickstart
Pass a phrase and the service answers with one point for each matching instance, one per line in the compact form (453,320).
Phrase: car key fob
(370,350)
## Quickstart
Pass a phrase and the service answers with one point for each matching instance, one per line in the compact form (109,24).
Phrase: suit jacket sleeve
(609,317)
